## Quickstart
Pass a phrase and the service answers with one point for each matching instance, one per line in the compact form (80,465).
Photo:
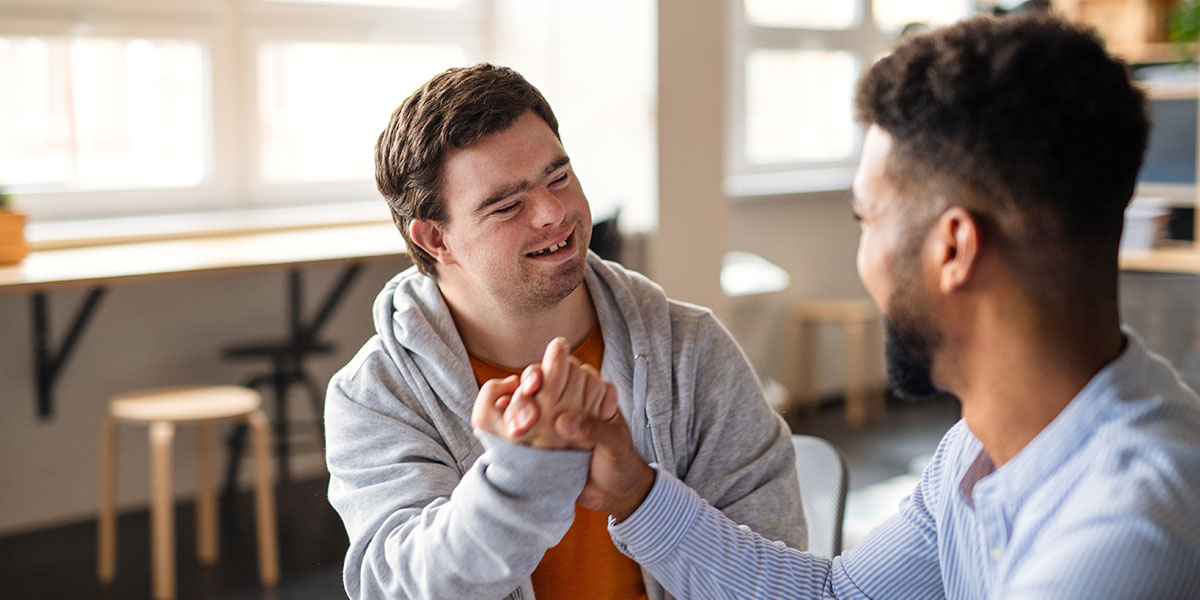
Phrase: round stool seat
(194,403)
(845,311)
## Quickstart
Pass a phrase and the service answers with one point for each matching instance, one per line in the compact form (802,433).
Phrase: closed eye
(561,180)
(507,209)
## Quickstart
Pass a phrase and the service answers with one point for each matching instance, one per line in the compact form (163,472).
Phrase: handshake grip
(549,405)
(562,404)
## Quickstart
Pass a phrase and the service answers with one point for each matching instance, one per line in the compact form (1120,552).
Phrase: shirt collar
(1064,436)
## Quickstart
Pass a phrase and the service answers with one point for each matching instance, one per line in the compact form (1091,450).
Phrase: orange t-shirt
(585,564)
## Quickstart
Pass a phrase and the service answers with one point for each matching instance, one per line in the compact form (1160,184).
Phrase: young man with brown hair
(481,189)
(999,158)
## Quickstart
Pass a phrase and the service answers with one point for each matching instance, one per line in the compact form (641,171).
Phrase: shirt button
(997,554)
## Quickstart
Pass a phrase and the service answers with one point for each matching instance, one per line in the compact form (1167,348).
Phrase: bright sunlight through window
(98,113)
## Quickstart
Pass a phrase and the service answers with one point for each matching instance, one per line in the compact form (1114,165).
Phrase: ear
(957,239)
(430,237)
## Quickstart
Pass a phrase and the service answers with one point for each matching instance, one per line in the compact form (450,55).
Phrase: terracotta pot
(13,246)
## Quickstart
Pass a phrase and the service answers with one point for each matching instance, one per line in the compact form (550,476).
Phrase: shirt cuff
(657,526)
(524,471)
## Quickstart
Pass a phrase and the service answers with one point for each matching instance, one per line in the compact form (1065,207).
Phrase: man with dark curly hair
(999,158)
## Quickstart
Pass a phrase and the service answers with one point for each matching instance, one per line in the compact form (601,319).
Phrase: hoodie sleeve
(416,529)
(743,462)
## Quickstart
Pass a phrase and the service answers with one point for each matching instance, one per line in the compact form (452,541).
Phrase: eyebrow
(523,186)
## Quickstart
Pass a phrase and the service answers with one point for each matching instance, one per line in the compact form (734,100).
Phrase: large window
(795,65)
(141,106)
(336,94)
(94,112)
(118,107)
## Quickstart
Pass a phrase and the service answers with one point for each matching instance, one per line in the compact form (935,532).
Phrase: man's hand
(489,412)
(619,480)
(525,410)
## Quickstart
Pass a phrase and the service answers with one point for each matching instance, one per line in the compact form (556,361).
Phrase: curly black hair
(1029,114)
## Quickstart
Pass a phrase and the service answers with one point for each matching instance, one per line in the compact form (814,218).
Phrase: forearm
(697,552)
(482,541)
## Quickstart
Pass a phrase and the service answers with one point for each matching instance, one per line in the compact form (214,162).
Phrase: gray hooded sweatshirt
(433,510)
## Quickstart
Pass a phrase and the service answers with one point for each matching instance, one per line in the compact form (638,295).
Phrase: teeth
(551,249)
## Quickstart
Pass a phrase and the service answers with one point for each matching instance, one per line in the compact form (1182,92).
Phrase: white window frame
(230,32)
(863,39)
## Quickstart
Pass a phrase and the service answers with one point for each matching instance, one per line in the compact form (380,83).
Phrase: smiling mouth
(551,249)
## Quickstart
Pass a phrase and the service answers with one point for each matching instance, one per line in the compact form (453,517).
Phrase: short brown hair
(452,110)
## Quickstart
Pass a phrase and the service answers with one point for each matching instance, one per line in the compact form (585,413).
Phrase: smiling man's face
(518,223)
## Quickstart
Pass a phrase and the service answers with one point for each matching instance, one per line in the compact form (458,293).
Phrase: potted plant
(1183,29)
(13,246)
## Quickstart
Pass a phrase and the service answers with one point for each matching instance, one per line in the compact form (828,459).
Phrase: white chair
(824,480)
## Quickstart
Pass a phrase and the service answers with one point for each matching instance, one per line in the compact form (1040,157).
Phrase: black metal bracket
(48,362)
(307,332)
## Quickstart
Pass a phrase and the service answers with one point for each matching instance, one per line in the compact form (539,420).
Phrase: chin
(909,359)
(548,291)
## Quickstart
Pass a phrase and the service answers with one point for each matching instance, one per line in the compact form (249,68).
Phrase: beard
(911,334)
(909,357)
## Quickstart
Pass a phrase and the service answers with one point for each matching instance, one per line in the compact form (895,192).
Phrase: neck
(516,337)
(1024,367)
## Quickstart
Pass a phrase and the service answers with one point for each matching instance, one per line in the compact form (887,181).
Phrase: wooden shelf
(1183,259)
(1135,30)
(103,264)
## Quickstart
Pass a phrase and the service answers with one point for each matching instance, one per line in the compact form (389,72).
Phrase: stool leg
(281,420)
(856,397)
(106,566)
(807,334)
(207,538)
(264,500)
(162,511)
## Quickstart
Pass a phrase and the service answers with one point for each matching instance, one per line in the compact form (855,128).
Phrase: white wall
(693,211)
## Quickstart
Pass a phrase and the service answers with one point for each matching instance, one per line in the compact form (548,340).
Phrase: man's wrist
(637,494)
(518,469)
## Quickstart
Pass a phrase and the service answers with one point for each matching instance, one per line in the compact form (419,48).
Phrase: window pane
(102,113)
(390,3)
(894,14)
(322,105)
(837,14)
(798,105)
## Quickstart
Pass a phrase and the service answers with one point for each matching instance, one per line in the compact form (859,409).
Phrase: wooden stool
(854,316)
(164,409)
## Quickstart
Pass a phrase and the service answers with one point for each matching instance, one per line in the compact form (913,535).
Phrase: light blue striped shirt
(1103,503)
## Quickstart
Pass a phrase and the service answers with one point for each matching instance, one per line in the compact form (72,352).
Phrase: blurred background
(713,137)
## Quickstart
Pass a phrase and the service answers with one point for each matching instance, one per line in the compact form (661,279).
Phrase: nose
(548,210)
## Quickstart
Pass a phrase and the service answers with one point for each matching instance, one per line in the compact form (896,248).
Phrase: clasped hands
(563,404)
